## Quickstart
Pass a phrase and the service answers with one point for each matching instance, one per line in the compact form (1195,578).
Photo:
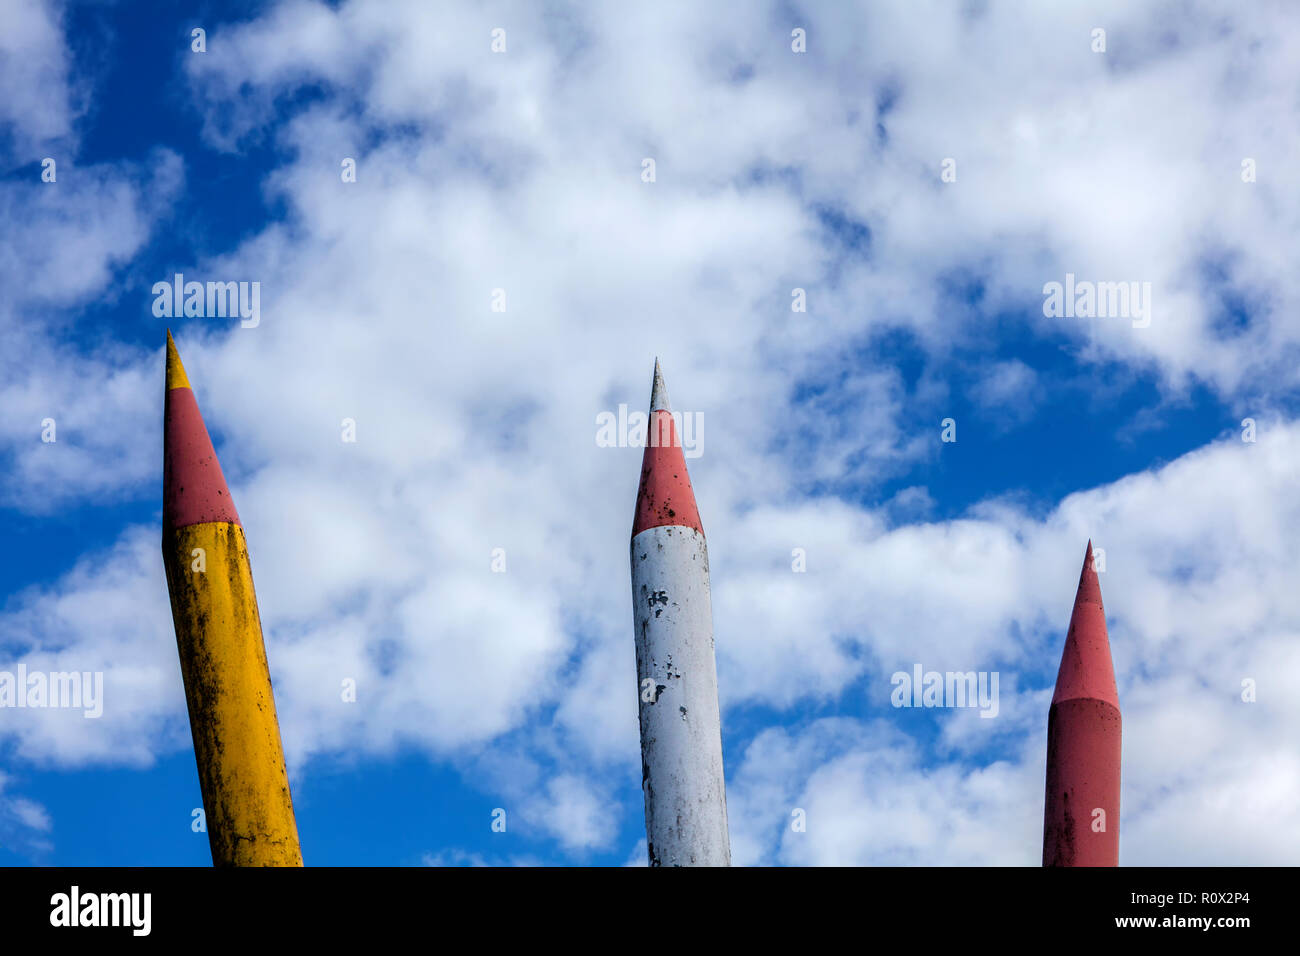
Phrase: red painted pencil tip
(194,489)
(1086,668)
(664,497)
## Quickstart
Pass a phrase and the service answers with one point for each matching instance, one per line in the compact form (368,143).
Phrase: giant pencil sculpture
(1081,810)
(681,739)
(248,809)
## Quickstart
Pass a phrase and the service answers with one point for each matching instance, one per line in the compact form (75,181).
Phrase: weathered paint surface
(1083,740)
(237,747)
(681,737)
(1083,758)
(237,744)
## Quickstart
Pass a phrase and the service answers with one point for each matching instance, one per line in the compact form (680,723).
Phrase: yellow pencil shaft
(246,798)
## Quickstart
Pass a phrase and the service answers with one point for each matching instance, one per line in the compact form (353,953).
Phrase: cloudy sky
(504,269)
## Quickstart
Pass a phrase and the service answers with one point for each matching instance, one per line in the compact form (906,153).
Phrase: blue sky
(775,170)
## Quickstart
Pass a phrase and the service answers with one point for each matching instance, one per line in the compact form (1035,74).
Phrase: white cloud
(866,798)
(40,106)
(639,856)
(24,823)
(1006,389)
(65,243)
(107,616)
(574,813)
